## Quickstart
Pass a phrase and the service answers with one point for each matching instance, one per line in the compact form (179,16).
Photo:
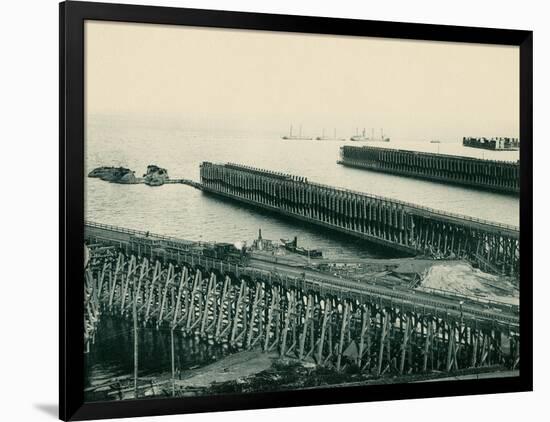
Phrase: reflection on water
(111,358)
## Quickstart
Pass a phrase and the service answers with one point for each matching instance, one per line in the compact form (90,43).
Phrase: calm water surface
(181,211)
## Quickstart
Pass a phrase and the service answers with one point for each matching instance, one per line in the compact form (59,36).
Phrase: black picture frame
(72,16)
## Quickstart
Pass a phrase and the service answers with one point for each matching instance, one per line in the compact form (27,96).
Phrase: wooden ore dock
(497,176)
(398,225)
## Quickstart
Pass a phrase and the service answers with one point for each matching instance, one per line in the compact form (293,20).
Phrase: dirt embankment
(443,276)
(460,277)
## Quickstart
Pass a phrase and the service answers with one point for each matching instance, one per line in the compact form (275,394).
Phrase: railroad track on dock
(314,280)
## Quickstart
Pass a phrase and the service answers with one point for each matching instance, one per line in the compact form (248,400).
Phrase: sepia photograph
(275,211)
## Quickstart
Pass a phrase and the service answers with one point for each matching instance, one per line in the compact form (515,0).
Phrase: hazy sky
(413,89)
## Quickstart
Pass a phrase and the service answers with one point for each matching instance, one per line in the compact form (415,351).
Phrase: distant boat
(435,142)
(328,138)
(292,137)
(364,138)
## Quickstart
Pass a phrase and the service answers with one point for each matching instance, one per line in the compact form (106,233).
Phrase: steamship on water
(364,138)
(329,138)
(290,136)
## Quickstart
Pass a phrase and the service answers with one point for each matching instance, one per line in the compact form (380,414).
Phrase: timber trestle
(326,325)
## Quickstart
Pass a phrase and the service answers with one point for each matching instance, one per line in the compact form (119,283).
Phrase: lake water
(182,211)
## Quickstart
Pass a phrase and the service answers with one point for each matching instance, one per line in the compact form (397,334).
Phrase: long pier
(394,224)
(498,176)
(332,323)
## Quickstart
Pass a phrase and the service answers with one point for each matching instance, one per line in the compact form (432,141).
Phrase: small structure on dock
(261,244)
(228,252)
(292,246)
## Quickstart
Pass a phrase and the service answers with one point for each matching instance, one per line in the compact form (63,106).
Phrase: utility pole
(173,364)
(134,312)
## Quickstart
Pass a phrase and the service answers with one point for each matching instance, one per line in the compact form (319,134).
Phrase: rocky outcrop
(114,175)
(101,171)
(155,175)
